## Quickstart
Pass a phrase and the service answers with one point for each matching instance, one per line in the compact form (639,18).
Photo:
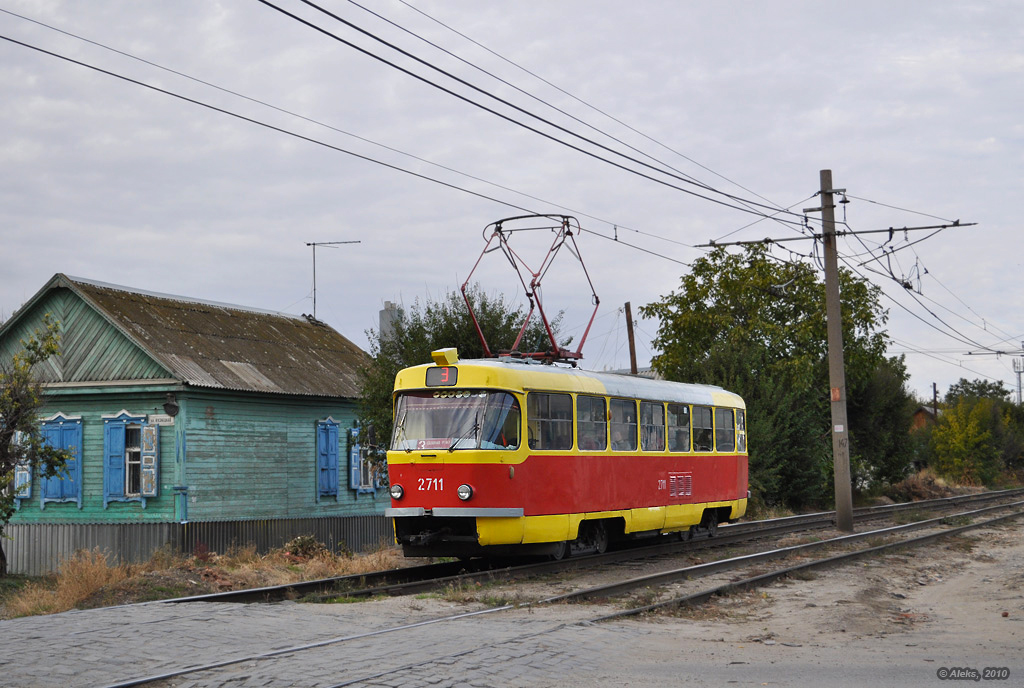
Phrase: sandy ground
(895,620)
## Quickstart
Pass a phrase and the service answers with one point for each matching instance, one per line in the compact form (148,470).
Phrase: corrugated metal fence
(36,549)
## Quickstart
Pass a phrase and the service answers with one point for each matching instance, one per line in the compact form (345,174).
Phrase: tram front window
(456,419)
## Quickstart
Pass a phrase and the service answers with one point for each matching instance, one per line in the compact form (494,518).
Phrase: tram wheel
(562,551)
(711,522)
(599,535)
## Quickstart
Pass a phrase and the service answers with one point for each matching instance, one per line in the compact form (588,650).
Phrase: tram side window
(591,423)
(678,428)
(652,426)
(550,420)
(741,430)
(623,424)
(703,434)
(725,430)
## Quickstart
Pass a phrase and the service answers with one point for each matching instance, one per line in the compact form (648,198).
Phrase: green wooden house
(190,422)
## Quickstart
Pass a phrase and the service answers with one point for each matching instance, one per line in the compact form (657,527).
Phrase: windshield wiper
(475,429)
(400,427)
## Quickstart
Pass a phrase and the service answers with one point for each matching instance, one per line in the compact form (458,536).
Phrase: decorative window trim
(60,419)
(360,478)
(115,460)
(22,485)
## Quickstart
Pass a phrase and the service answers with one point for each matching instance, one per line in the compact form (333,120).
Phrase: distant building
(924,415)
(190,421)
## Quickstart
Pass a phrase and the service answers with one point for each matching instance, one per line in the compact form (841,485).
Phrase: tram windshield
(456,419)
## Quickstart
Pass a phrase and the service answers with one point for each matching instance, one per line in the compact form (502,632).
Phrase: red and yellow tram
(509,456)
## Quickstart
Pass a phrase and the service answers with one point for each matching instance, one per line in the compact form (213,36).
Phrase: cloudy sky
(914,106)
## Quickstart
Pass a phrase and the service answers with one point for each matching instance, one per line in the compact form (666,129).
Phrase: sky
(914,106)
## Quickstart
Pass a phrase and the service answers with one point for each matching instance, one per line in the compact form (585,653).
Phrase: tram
(508,456)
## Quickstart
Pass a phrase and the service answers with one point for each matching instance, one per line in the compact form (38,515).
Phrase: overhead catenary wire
(315,141)
(331,127)
(582,102)
(519,123)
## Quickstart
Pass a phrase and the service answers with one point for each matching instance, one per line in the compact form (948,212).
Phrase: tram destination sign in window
(442,376)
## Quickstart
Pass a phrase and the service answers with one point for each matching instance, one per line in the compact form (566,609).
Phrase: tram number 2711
(431,484)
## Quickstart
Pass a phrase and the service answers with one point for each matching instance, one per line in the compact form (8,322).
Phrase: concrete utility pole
(1018,367)
(632,342)
(836,367)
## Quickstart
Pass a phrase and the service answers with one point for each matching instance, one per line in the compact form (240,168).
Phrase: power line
(510,119)
(314,140)
(583,102)
(895,207)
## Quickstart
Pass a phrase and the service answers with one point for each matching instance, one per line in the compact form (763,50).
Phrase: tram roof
(510,373)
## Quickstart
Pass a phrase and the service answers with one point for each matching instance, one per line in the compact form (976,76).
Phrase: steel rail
(608,590)
(414,579)
(828,562)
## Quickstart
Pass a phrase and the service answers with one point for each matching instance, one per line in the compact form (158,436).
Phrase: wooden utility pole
(632,341)
(836,367)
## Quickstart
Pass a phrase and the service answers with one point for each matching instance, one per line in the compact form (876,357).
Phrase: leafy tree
(994,427)
(21,439)
(963,443)
(421,329)
(976,389)
(757,327)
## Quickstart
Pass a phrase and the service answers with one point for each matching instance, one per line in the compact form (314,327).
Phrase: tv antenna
(329,244)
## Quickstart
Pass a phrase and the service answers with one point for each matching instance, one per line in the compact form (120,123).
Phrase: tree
(757,327)
(979,434)
(977,389)
(420,330)
(21,439)
(963,444)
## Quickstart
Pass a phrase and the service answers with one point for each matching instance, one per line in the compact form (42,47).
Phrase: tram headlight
(397,491)
(465,492)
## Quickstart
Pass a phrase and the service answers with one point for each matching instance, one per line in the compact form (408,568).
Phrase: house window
(652,426)
(65,433)
(133,460)
(361,473)
(21,488)
(130,464)
(327,458)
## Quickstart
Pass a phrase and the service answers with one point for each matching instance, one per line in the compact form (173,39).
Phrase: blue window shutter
(150,459)
(332,458)
(67,485)
(71,440)
(52,486)
(113,468)
(327,458)
(354,477)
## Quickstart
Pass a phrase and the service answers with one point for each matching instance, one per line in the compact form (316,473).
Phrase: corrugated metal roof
(218,345)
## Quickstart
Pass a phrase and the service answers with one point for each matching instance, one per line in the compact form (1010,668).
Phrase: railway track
(417,579)
(987,516)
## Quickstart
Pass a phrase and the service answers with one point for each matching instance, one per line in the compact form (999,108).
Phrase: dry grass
(88,580)
(78,579)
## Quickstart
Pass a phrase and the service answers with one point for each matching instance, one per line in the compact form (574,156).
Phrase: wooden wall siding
(255,457)
(92,349)
(91,408)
